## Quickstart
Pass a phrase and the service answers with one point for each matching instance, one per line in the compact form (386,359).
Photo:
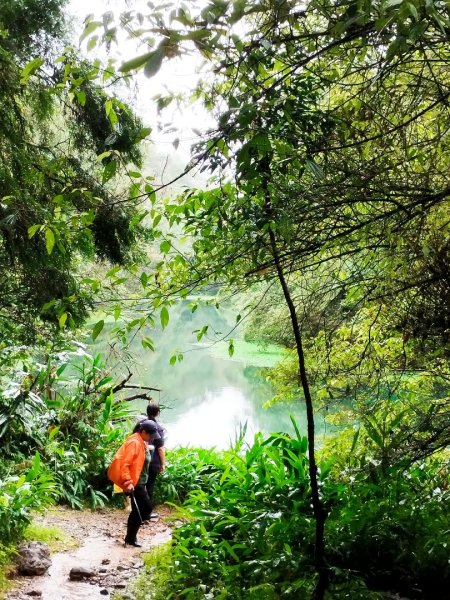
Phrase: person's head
(148,430)
(153,410)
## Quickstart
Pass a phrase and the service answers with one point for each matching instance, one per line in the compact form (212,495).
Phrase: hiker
(158,461)
(129,471)
(158,453)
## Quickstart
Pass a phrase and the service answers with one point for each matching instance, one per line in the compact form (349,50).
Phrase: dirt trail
(100,537)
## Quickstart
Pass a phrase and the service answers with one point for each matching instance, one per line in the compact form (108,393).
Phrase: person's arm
(129,458)
(162,458)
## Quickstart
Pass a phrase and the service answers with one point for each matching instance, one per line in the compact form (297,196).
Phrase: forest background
(325,215)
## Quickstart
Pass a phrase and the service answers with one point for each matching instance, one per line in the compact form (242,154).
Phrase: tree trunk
(319,511)
(318,508)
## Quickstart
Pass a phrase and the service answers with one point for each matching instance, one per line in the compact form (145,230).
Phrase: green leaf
(165,246)
(62,320)
(373,432)
(314,168)
(109,171)
(150,191)
(135,63)
(113,271)
(53,432)
(92,42)
(49,240)
(413,10)
(148,343)
(394,48)
(164,316)
(154,62)
(143,133)
(230,348)
(173,359)
(32,230)
(31,68)
(108,108)
(199,34)
(89,28)
(262,141)
(81,97)
(97,329)
(103,155)
(103,381)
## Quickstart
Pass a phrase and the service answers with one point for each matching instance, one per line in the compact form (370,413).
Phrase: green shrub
(77,429)
(393,530)
(19,495)
(252,529)
(188,470)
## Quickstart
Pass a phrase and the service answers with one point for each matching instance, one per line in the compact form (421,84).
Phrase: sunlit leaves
(49,240)
(164,317)
(176,357)
(33,230)
(147,343)
(89,28)
(62,320)
(136,62)
(30,69)
(165,246)
(201,332)
(154,62)
(98,328)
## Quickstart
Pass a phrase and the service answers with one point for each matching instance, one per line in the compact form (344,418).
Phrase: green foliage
(393,529)
(249,529)
(6,567)
(72,419)
(156,570)
(188,470)
(238,538)
(23,19)
(21,494)
(84,431)
(57,209)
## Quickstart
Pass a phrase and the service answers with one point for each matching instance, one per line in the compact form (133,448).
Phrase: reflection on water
(207,396)
(216,420)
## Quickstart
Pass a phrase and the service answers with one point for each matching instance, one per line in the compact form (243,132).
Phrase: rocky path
(107,565)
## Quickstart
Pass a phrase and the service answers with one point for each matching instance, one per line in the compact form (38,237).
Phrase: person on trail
(158,462)
(129,471)
(158,454)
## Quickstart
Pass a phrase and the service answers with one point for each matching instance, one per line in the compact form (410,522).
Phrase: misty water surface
(208,396)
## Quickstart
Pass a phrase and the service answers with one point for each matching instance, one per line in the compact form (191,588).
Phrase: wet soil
(99,538)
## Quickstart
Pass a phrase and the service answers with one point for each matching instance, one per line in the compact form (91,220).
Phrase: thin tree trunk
(318,508)
(319,511)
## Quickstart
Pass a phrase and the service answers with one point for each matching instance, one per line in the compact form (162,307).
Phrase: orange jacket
(128,461)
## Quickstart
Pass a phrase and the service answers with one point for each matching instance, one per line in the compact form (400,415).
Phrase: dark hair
(147,425)
(153,411)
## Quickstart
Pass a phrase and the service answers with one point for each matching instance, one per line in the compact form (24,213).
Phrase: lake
(208,396)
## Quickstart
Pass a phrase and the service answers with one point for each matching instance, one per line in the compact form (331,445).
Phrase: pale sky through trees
(178,75)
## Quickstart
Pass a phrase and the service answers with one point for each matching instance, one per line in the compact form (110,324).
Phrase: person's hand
(162,468)
(128,488)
